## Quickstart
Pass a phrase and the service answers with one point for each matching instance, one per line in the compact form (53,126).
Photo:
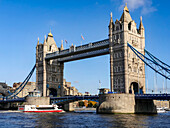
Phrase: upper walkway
(81,52)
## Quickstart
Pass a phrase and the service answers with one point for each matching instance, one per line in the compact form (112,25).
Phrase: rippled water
(81,120)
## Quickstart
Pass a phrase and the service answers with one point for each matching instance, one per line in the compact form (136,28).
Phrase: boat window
(45,108)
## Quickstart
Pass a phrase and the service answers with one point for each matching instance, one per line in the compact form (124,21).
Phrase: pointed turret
(126,8)
(111,20)
(125,16)
(51,44)
(50,34)
(45,42)
(141,28)
(111,24)
(141,24)
(62,47)
(38,42)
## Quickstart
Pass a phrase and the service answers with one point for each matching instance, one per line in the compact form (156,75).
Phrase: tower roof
(126,15)
(126,8)
(50,34)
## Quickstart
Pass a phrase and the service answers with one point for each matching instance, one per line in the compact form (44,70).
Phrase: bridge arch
(53,92)
(135,88)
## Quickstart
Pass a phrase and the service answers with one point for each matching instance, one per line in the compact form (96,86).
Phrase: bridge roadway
(96,97)
(81,52)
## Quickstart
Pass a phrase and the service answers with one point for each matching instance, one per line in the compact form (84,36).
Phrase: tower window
(117,28)
(117,36)
(50,48)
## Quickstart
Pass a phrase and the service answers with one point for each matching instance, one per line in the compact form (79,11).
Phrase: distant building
(87,93)
(104,90)
(68,90)
(31,86)
(4,89)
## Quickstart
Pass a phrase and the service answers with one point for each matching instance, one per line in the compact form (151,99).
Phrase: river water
(81,120)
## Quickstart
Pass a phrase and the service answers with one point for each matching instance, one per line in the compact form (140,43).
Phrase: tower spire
(126,15)
(62,47)
(45,39)
(38,41)
(141,24)
(50,34)
(111,20)
(126,8)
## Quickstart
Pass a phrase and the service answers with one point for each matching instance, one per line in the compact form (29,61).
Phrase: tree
(81,104)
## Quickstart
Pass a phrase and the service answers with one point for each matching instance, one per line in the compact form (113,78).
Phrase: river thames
(81,120)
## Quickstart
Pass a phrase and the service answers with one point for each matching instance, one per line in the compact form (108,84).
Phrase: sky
(23,21)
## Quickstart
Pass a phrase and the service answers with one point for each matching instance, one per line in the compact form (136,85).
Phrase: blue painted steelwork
(153,96)
(68,99)
(21,87)
(156,59)
(162,68)
(12,100)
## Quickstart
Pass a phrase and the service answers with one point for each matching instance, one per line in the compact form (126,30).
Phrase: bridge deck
(88,48)
(75,98)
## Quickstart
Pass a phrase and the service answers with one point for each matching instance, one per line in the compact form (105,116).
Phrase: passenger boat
(160,110)
(40,108)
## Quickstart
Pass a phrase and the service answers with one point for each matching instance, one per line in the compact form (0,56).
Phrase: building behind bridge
(4,89)
(31,86)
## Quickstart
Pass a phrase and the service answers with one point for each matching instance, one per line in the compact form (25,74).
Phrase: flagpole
(65,45)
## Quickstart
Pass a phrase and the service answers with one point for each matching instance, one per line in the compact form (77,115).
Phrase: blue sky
(23,21)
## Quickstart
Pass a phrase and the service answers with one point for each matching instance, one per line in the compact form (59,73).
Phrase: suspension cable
(15,93)
(137,52)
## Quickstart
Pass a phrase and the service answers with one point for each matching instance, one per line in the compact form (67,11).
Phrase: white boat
(160,110)
(40,108)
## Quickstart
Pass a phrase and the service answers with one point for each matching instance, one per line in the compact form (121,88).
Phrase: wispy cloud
(145,5)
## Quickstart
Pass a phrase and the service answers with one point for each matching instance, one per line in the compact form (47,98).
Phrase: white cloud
(145,5)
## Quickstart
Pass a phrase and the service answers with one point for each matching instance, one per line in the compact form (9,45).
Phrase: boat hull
(40,108)
(59,111)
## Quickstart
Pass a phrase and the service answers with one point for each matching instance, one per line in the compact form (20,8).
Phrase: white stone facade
(49,74)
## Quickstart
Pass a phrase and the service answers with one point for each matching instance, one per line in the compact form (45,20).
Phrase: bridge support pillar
(70,106)
(124,103)
(145,106)
(5,106)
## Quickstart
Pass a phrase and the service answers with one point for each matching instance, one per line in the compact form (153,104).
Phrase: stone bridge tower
(127,71)
(49,74)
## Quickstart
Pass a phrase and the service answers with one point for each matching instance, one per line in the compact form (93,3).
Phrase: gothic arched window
(117,27)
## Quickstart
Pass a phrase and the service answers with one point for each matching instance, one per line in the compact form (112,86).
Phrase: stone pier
(70,106)
(124,103)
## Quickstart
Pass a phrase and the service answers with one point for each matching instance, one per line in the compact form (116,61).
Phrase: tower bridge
(126,48)
(124,74)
